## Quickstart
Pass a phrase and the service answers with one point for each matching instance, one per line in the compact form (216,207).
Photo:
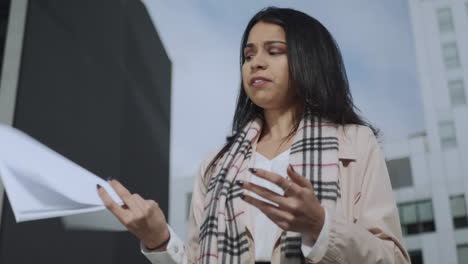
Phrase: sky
(202,39)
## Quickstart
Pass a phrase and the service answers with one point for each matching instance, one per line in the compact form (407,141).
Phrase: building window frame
(459,211)
(416,256)
(466,8)
(188,202)
(422,221)
(450,55)
(461,247)
(400,172)
(447,134)
(445,20)
(457,92)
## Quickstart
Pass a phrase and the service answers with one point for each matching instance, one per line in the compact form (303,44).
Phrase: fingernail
(242,196)
(98,186)
(292,168)
(239,182)
(252,170)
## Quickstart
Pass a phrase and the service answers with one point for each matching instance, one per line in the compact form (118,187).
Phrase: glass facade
(188,203)
(400,172)
(445,20)
(462,253)
(447,134)
(459,214)
(450,55)
(416,217)
(466,8)
(416,256)
(457,92)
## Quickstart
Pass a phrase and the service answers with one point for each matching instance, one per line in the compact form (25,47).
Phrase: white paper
(40,183)
(102,220)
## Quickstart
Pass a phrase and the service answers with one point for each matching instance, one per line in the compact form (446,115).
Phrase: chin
(271,105)
(265,105)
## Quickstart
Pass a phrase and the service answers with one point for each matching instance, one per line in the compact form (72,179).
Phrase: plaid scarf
(314,154)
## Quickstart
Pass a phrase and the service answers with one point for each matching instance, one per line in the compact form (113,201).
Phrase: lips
(259,81)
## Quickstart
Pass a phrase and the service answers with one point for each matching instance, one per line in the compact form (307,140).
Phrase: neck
(279,123)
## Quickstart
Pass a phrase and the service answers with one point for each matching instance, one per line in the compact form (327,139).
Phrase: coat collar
(346,149)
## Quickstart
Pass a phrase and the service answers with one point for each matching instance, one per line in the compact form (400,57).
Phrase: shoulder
(206,162)
(356,140)
(209,157)
(355,133)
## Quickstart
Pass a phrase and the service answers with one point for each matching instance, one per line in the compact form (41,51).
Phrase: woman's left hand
(298,210)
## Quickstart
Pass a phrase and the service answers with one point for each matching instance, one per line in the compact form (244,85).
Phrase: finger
(276,215)
(139,199)
(297,178)
(112,206)
(119,188)
(146,205)
(265,193)
(276,179)
(142,203)
(137,204)
(126,196)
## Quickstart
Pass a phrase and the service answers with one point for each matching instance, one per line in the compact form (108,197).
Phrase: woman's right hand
(141,217)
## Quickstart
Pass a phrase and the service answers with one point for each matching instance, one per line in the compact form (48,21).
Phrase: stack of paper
(40,183)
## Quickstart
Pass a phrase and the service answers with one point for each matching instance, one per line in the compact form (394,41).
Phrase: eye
(276,52)
(248,57)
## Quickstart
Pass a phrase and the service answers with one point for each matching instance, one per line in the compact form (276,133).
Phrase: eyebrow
(268,42)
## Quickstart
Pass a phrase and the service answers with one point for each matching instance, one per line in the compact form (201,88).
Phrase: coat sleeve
(196,210)
(177,251)
(375,234)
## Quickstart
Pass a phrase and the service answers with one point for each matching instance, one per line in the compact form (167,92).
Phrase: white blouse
(263,225)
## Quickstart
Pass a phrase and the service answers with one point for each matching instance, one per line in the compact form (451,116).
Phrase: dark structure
(95,86)
(4,10)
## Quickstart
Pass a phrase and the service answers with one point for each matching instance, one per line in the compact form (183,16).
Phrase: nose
(258,62)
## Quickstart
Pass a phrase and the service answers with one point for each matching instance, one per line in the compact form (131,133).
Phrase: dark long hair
(316,70)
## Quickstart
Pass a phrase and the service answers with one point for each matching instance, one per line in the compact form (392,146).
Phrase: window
(466,5)
(444,18)
(416,256)
(457,92)
(416,217)
(462,252)
(459,214)
(450,54)
(400,172)
(447,134)
(187,205)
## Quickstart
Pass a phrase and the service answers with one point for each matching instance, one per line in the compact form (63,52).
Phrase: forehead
(266,31)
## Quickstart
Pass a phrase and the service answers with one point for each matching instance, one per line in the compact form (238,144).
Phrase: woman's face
(265,72)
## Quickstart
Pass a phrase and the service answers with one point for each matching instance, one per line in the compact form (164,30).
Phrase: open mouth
(257,82)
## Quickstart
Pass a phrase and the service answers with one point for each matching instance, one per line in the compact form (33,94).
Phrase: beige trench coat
(365,228)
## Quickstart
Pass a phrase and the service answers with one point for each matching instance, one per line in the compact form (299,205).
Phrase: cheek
(282,74)
(285,71)
(243,72)
(244,79)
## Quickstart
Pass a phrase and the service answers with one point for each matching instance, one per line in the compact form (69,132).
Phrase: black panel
(94,86)
(4,11)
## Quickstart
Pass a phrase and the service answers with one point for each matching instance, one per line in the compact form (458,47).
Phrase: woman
(301,179)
